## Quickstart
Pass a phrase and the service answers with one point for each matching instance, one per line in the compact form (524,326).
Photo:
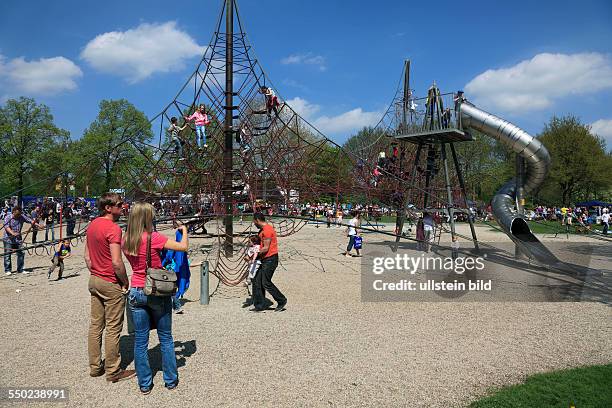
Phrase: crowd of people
(47,215)
(577,215)
(146,251)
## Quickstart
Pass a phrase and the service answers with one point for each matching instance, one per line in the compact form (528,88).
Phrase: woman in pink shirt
(201,120)
(146,308)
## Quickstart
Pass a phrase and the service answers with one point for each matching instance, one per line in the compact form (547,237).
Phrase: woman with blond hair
(150,308)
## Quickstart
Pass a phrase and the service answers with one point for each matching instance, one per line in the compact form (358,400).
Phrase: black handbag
(159,282)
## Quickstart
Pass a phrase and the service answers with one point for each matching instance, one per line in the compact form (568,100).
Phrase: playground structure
(437,126)
(264,155)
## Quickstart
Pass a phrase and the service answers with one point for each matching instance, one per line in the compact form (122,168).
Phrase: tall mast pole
(401,208)
(228,127)
(407,95)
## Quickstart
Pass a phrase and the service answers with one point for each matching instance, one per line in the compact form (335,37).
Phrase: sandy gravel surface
(328,349)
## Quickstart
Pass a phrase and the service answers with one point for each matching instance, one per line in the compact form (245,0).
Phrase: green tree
(367,143)
(27,136)
(485,164)
(114,145)
(580,166)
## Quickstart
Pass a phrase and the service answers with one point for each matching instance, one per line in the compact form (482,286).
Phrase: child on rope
(201,120)
(244,138)
(271,101)
(58,259)
(175,140)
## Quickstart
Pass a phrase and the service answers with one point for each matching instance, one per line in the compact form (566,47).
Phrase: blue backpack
(358,242)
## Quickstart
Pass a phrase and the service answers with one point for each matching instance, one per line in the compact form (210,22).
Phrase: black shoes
(281,306)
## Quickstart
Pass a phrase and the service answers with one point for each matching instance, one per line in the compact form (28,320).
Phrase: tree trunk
(20,186)
(108,177)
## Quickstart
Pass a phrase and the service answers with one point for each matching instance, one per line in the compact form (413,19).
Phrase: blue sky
(337,61)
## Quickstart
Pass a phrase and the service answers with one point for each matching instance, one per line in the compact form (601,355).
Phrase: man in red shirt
(108,285)
(268,253)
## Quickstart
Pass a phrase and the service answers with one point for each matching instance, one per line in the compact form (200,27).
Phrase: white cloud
(603,128)
(46,76)
(138,53)
(352,120)
(537,83)
(304,108)
(294,84)
(308,59)
(346,122)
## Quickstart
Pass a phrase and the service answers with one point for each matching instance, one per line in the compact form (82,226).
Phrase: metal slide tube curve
(531,149)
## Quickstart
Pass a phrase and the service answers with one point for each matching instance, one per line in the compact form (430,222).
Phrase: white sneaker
(205,145)
(7,273)
(26,272)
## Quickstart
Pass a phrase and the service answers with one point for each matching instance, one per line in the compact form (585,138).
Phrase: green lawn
(551,227)
(580,387)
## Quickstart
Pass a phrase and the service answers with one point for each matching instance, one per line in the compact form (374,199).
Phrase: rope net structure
(279,161)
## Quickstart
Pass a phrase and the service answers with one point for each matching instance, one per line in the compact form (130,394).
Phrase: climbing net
(279,160)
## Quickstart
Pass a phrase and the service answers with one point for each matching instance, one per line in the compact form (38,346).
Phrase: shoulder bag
(159,282)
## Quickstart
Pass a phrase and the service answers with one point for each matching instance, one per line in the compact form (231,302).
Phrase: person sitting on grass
(58,259)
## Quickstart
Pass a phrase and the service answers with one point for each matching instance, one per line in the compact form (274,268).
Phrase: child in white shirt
(252,253)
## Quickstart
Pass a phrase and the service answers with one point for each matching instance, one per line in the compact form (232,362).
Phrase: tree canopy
(580,167)
(114,145)
(28,140)
(36,156)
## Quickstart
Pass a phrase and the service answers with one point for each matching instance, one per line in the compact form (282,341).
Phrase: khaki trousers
(107,308)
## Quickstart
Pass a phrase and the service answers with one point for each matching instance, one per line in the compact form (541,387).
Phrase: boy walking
(58,259)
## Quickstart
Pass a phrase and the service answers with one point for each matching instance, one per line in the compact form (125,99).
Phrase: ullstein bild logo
(432,285)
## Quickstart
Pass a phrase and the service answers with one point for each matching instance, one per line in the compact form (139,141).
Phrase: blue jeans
(144,308)
(200,135)
(351,243)
(9,247)
(178,147)
(49,226)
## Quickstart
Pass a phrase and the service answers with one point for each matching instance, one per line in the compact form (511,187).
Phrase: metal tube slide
(503,204)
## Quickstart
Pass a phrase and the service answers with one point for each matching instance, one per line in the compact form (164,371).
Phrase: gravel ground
(328,349)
